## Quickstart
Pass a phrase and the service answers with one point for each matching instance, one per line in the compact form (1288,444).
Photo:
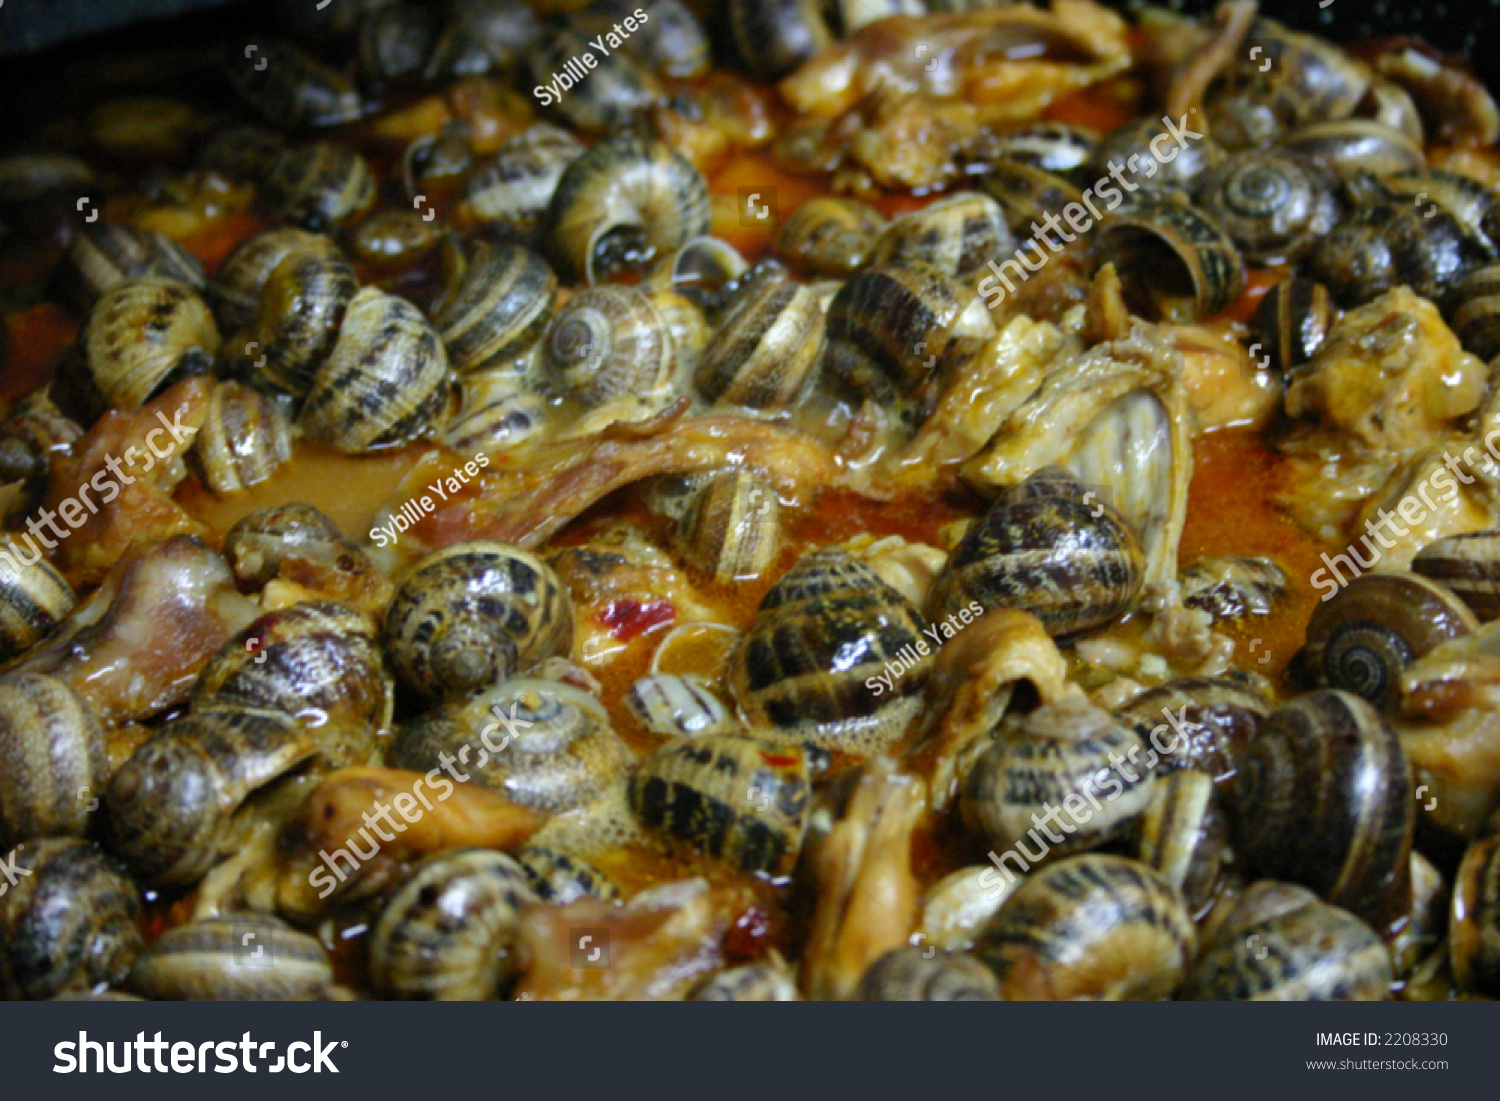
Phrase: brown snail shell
(739,799)
(1476,311)
(52,759)
(773,37)
(1273,204)
(1233,587)
(609,342)
(623,196)
(33,433)
(616,91)
(766,347)
(829,624)
(514,189)
(830,236)
(1042,548)
(1205,722)
(449,932)
(1347,146)
(1186,168)
(1028,194)
(1292,322)
(235,290)
(678,707)
(767,981)
(69,925)
(959,905)
(244,153)
(105,254)
(497,308)
(396,240)
(244,440)
(672,41)
(1362,637)
(257,544)
(1057,147)
(215,959)
(321,186)
(732,530)
(560,877)
(1474,928)
(1093,926)
(290,88)
(393,44)
(1323,797)
(496,413)
(144,334)
(1281,943)
(34,597)
(1384,245)
(911,974)
(482,35)
(1175,261)
(386,380)
(957,235)
(1468,565)
(169,811)
(1184,834)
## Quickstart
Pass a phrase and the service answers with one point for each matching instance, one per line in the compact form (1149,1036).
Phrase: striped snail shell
(1474,929)
(496,413)
(678,707)
(448,933)
(481,36)
(243,153)
(497,307)
(1347,146)
(395,241)
(1281,943)
(773,37)
(616,91)
(959,905)
(1027,193)
(1273,204)
(1063,751)
(1468,565)
(707,271)
(474,614)
(256,545)
(559,877)
(1476,311)
(316,659)
(143,335)
(623,197)
(244,440)
(1384,245)
(34,431)
(556,749)
(672,41)
(1090,926)
(1132,142)
(302,299)
(290,88)
(732,529)
(1362,637)
(386,380)
(1045,549)
(321,186)
(830,236)
(1174,260)
(168,812)
(739,799)
(393,44)
(1323,797)
(825,628)
(103,255)
(609,342)
(1051,146)
(514,188)
(1199,723)
(766,347)
(1293,321)
(1184,835)
(34,597)
(889,327)
(957,235)
(52,759)
(71,923)
(235,290)
(764,981)
(233,957)
(911,974)
(1468,200)
(1233,587)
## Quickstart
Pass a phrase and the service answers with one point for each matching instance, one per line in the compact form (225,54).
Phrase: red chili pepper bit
(750,935)
(627,619)
(779,760)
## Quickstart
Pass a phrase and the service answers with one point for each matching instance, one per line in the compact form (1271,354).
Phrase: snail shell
(1384,245)
(830,236)
(496,413)
(28,176)
(474,614)
(556,749)
(560,877)
(1468,200)
(1210,719)
(767,981)
(1133,143)
(449,931)
(609,342)
(1045,550)
(1091,926)
(1281,943)
(623,196)
(766,347)
(1474,931)
(1476,313)
(1293,321)
(483,35)
(1323,797)
(1346,146)
(317,659)
(1362,637)
(143,335)
(1174,260)
(672,40)
(959,905)
(386,380)
(739,799)
(1272,204)
(825,627)
(321,186)
(513,189)
(1184,835)
(732,530)
(396,240)
(1467,565)
(52,759)
(1063,751)
(70,925)
(677,707)
(214,960)
(168,811)
(1233,587)
(956,235)
(290,88)
(244,440)
(1057,147)
(103,255)
(243,153)
(616,91)
(257,544)
(773,37)
(497,308)
(910,974)
(1027,193)
(34,597)
(235,290)
(34,431)
(393,44)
